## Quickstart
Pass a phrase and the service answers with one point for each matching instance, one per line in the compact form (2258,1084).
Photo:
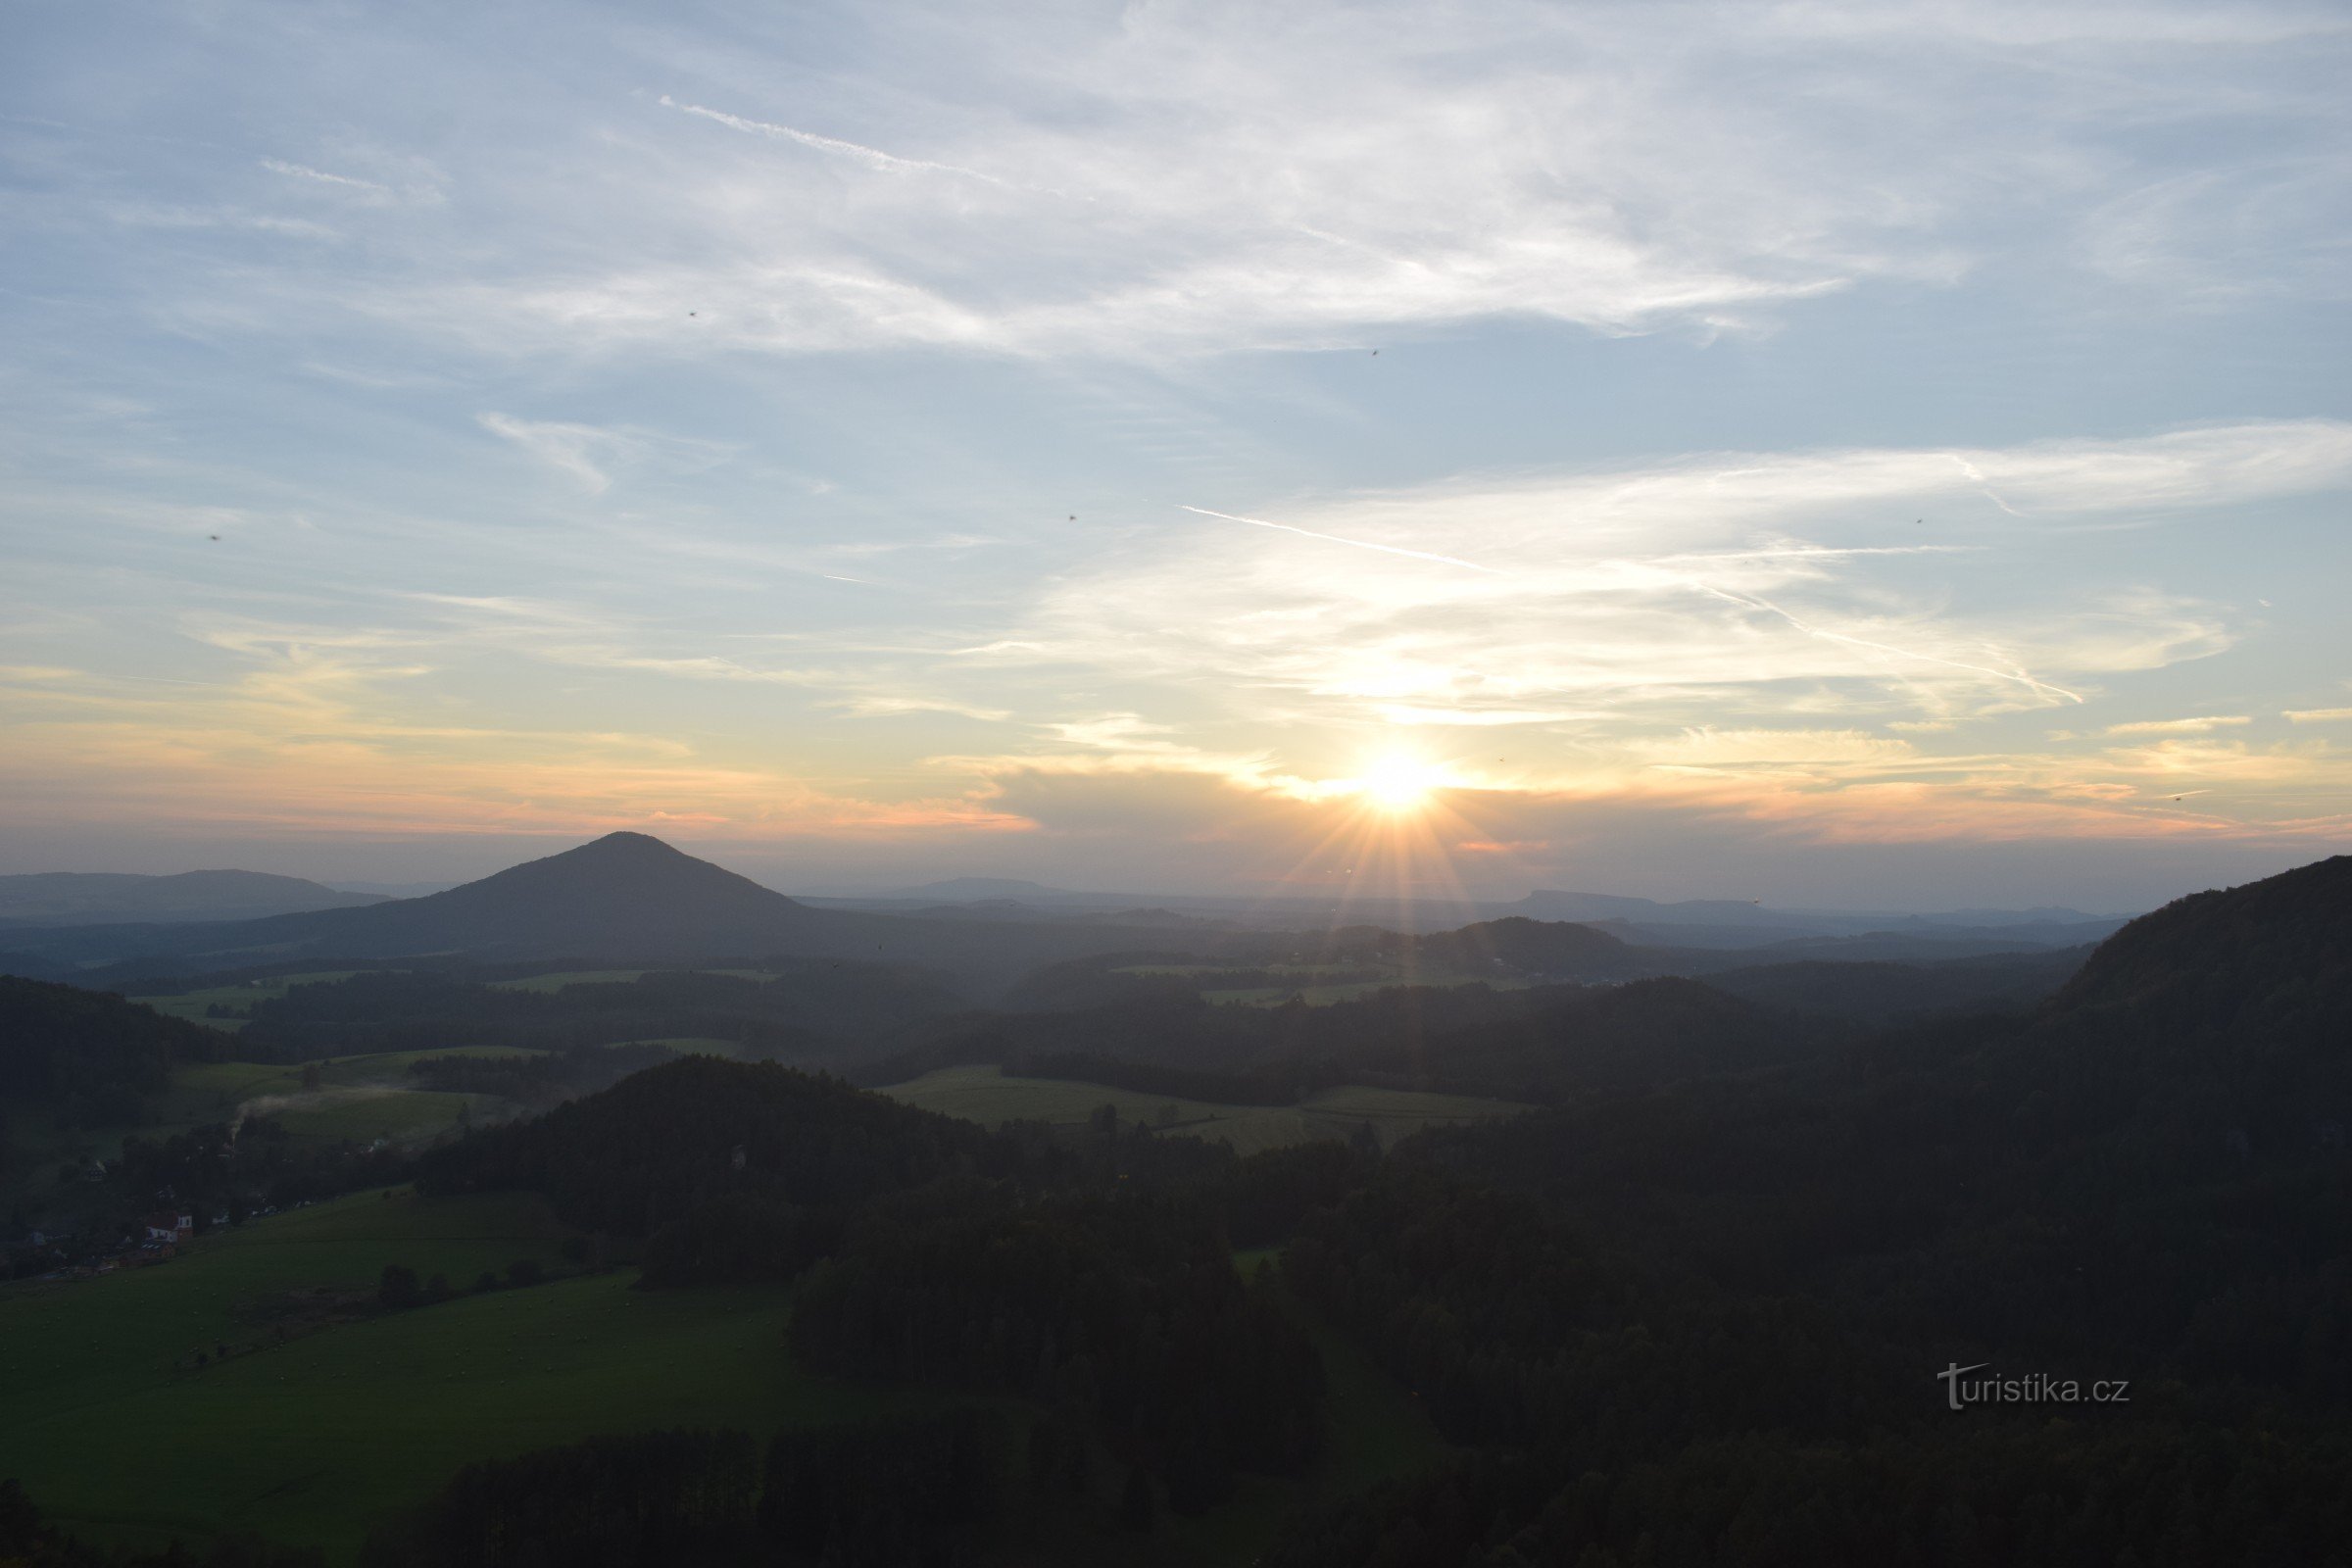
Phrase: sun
(1398,784)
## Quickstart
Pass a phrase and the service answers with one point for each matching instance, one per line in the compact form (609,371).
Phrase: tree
(397,1288)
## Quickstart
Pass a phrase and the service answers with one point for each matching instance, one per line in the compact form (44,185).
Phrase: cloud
(1353,544)
(1707,745)
(890,705)
(1408,714)
(1744,584)
(589,453)
(1203,178)
(2176,726)
(560,445)
(278,166)
(872,157)
(2318,715)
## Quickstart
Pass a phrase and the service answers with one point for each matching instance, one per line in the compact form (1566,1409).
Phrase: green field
(697,1046)
(986,1094)
(191,1005)
(310,1441)
(359,1098)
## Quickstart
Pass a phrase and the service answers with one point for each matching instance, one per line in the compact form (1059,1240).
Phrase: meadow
(357,1099)
(310,1442)
(119,1435)
(196,1006)
(989,1096)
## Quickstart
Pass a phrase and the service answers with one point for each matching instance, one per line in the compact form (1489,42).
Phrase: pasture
(987,1096)
(359,1098)
(194,1005)
(310,1441)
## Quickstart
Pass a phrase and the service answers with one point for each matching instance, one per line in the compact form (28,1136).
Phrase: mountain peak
(636,869)
(625,842)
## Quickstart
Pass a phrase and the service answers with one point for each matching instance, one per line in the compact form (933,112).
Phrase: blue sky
(1889,454)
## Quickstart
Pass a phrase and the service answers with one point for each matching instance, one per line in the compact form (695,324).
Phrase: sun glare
(1398,784)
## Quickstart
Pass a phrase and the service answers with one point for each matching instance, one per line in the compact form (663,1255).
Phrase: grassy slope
(210,1092)
(362,1096)
(987,1096)
(310,1442)
(191,1005)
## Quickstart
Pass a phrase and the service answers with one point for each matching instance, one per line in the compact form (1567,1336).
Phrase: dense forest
(1093,1278)
(89,1058)
(1704,1324)
(791,1008)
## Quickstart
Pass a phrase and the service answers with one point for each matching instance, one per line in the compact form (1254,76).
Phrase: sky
(1867,456)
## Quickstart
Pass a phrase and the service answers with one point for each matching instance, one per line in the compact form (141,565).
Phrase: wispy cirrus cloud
(1634,589)
(292,171)
(1200,179)
(870,157)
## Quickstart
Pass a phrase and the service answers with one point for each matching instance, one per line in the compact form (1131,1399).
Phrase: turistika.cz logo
(2034,1388)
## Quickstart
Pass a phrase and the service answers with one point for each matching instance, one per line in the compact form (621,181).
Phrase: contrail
(1360,544)
(872,157)
(1978,474)
(1750,602)
(278,166)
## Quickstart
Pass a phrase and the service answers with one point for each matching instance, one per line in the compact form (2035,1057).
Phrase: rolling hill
(100,897)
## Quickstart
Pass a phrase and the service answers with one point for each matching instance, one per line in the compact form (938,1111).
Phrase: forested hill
(2147,1181)
(652,1148)
(89,1058)
(938,1253)
(2274,954)
(1517,945)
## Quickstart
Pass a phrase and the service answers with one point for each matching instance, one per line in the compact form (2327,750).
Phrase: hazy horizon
(1841,456)
(493,855)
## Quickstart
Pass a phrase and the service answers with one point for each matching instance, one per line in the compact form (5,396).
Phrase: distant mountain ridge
(625,895)
(102,898)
